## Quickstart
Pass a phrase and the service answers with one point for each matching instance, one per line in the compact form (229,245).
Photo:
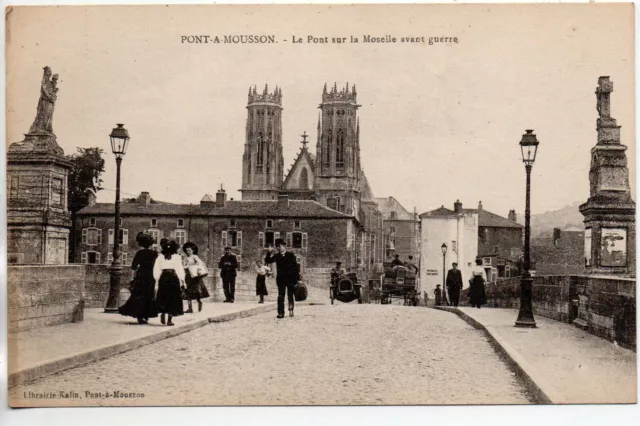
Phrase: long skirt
(261,285)
(141,304)
(195,287)
(477,295)
(168,298)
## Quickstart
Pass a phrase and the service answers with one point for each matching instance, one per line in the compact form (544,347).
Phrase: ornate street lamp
(119,143)
(529,147)
(444,273)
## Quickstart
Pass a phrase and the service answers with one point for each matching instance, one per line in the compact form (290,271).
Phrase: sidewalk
(41,352)
(560,363)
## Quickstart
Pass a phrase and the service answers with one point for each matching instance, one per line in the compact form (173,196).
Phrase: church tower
(262,162)
(337,174)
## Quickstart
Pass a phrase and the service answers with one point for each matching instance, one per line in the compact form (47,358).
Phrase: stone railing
(605,306)
(43,295)
(97,285)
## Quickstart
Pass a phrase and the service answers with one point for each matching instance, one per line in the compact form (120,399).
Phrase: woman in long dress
(477,294)
(261,280)
(169,275)
(196,289)
(141,303)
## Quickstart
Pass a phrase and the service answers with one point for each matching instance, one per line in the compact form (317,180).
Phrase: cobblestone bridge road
(325,355)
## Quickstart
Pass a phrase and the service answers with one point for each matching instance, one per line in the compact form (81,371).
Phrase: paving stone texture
(571,365)
(345,354)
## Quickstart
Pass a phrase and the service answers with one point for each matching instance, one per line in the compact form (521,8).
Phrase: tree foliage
(84,176)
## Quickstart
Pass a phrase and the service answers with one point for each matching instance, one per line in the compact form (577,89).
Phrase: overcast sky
(438,122)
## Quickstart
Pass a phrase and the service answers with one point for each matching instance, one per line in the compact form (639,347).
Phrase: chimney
(457,207)
(91,199)
(512,216)
(221,197)
(283,200)
(556,236)
(480,205)
(144,199)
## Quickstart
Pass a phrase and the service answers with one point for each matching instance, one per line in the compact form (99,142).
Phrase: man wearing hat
(288,274)
(338,271)
(228,265)
(454,284)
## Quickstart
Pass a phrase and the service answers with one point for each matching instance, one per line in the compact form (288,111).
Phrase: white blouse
(479,271)
(174,263)
(263,270)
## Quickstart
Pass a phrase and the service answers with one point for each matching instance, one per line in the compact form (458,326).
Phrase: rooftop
(241,208)
(485,218)
(386,205)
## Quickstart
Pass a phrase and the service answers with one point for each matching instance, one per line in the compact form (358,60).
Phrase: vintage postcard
(275,205)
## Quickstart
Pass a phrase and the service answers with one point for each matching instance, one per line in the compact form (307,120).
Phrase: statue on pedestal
(48,96)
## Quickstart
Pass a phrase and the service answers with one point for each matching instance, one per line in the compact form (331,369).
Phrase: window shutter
(83,257)
(84,237)
(224,239)
(304,240)
(276,235)
(289,239)
(239,239)
(125,257)
(110,236)
(125,236)
(99,236)
(98,258)
(261,239)
(109,258)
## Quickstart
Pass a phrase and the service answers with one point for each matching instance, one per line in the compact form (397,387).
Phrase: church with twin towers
(332,176)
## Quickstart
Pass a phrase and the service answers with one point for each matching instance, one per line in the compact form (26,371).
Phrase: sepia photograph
(320,205)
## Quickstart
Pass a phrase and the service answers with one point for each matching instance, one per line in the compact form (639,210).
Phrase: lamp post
(119,143)
(444,272)
(529,147)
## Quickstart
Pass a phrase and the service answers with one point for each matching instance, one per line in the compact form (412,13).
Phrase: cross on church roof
(304,139)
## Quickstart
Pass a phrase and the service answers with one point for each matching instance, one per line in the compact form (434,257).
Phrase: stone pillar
(609,213)
(38,220)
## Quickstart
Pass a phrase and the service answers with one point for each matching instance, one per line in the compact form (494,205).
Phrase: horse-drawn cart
(398,282)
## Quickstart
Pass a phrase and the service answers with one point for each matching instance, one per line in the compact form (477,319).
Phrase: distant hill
(542,224)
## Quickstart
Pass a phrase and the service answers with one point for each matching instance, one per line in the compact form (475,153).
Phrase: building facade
(458,230)
(469,234)
(401,229)
(319,236)
(559,254)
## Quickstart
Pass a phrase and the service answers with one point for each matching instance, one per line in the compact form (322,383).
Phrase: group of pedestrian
(162,280)
(477,292)
(288,275)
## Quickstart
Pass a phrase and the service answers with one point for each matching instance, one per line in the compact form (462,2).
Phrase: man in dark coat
(454,284)
(397,261)
(288,274)
(228,265)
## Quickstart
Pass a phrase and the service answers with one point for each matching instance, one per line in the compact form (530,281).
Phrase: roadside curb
(77,360)
(542,392)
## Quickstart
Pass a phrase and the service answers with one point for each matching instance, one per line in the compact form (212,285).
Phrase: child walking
(261,285)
